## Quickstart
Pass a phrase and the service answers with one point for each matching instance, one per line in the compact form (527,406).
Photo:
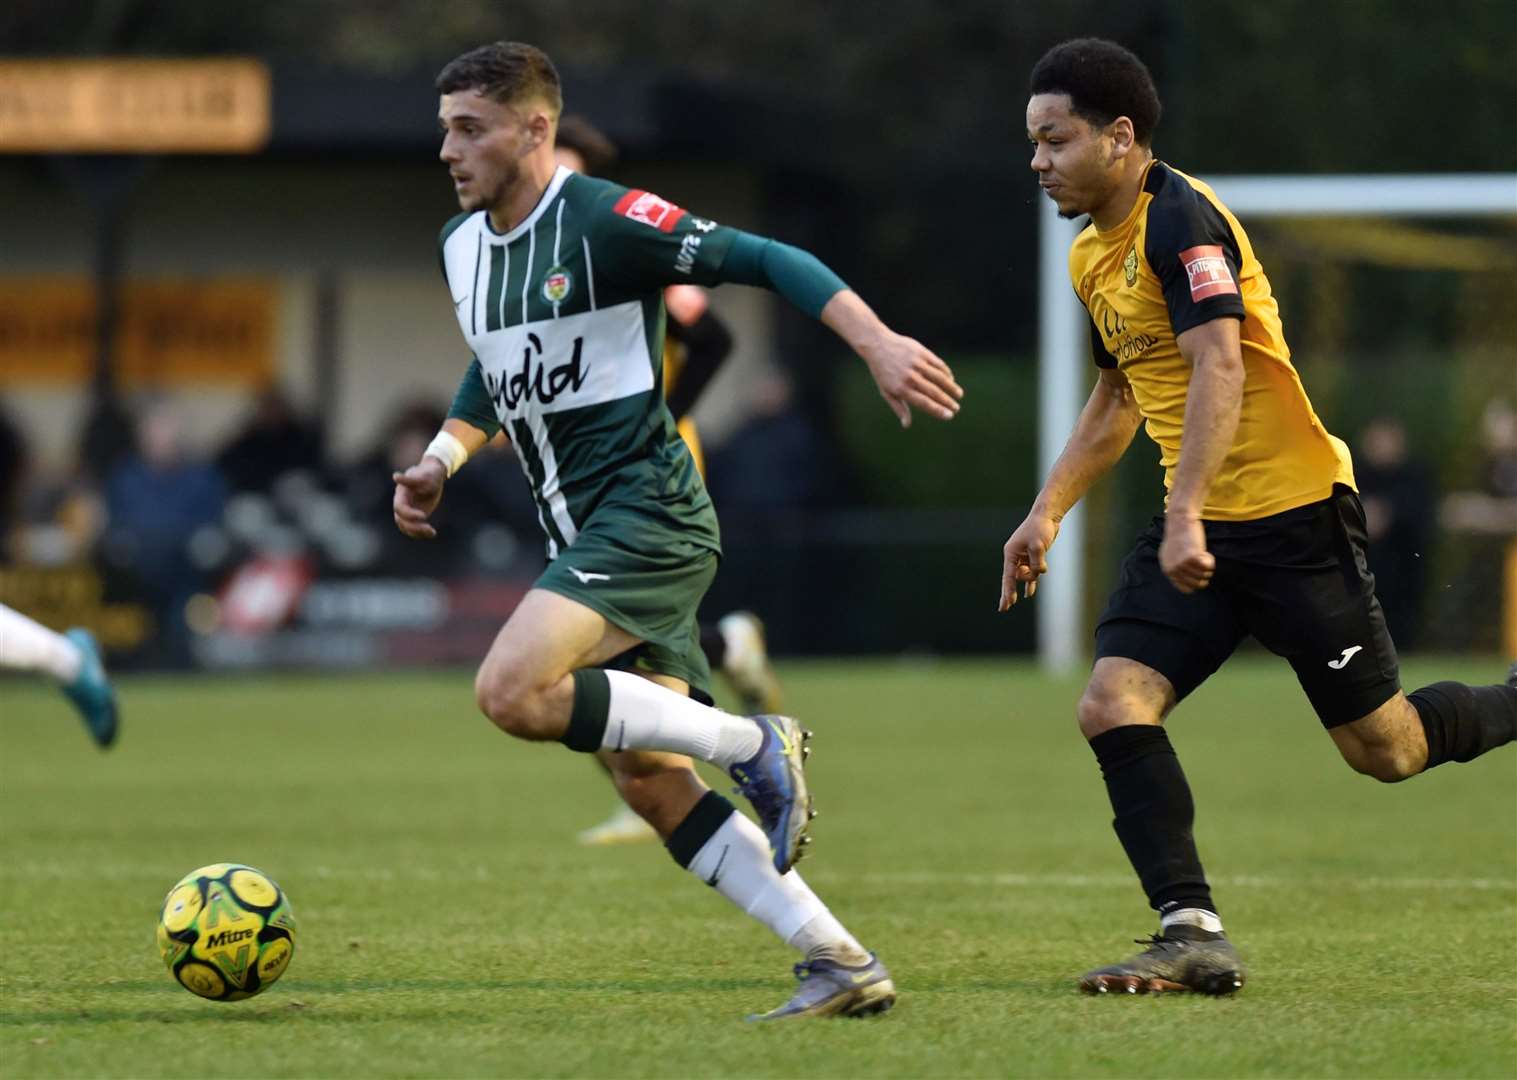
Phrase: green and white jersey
(565,318)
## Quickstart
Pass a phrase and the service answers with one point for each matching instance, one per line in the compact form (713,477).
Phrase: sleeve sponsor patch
(651,210)
(1206,268)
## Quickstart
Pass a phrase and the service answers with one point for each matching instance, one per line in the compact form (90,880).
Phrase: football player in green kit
(557,283)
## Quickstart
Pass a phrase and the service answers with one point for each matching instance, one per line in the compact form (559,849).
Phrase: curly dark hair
(504,71)
(588,141)
(1103,81)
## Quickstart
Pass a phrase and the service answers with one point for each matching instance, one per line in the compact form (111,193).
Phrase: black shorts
(1297,581)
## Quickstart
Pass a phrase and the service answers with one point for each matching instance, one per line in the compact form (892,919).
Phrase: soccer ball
(226,932)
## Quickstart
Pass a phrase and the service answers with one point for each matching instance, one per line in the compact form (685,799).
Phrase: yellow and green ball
(226,932)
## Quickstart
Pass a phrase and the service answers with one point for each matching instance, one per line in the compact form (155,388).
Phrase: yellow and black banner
(165,106)
(171,331)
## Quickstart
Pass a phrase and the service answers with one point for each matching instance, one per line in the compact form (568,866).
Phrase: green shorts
(652,592)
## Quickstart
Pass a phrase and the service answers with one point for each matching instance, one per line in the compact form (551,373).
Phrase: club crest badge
(558,284)
(1130,266)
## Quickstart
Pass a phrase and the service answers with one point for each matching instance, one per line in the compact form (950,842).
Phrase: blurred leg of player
(71,659)
(735,646)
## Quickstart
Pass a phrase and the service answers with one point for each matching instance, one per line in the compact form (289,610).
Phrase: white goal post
(1064,341)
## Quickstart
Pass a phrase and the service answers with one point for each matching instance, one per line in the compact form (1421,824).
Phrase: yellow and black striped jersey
(1179,260)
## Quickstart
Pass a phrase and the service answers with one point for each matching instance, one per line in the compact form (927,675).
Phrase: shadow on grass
(294,1003)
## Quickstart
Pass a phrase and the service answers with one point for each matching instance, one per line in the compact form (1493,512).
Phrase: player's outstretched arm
(909,375)
(660,243)
(1103,433)
(418,490)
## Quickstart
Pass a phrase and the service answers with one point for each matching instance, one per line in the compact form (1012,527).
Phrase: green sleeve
(797,275)
(472,403)
(646,242)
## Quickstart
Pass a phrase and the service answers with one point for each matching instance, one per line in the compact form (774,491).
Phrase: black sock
(1463,722)
(700,825)
(1154,814)
(592,708)
(714,646)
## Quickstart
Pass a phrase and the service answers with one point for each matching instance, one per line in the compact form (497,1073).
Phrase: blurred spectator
(44,521)
(1491,508)
(1400,511)
(274,441)
(587,148)
(12,461)
(155,500)
(1498,442)
(776,460)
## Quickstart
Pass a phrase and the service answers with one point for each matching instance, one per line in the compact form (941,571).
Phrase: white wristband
(448,450)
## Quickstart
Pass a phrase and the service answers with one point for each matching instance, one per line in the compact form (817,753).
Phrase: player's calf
(1390,763)
(1388,744)
(661,788)
(1412,733)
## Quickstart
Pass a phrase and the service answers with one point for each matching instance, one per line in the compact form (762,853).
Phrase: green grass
(450,927)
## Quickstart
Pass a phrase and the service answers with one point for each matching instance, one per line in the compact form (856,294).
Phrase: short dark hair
(504,71)
(1103,81)
(588,141)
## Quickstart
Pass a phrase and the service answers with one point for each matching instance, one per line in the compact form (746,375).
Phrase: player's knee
(1101,710)
(1388,762)
(511,704)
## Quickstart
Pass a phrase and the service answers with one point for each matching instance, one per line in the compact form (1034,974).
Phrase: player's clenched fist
(418,490)
(1183,556)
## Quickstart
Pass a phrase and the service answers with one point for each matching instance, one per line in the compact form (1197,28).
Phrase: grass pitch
(449,926)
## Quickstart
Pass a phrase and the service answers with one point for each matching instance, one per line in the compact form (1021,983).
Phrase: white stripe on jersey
(526,278)
(589,270)
(541,524)
(505,276)
(478,291)
(558,229)
(551,493)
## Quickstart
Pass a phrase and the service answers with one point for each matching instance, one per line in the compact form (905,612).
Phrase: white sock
(1192,916)
(646,716)
(29,646)
(736,862)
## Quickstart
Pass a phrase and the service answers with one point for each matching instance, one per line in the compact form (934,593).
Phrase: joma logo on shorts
(227,937)
(1342,661)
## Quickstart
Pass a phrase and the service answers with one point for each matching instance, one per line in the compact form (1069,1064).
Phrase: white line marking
(1231,881)
(86,869)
